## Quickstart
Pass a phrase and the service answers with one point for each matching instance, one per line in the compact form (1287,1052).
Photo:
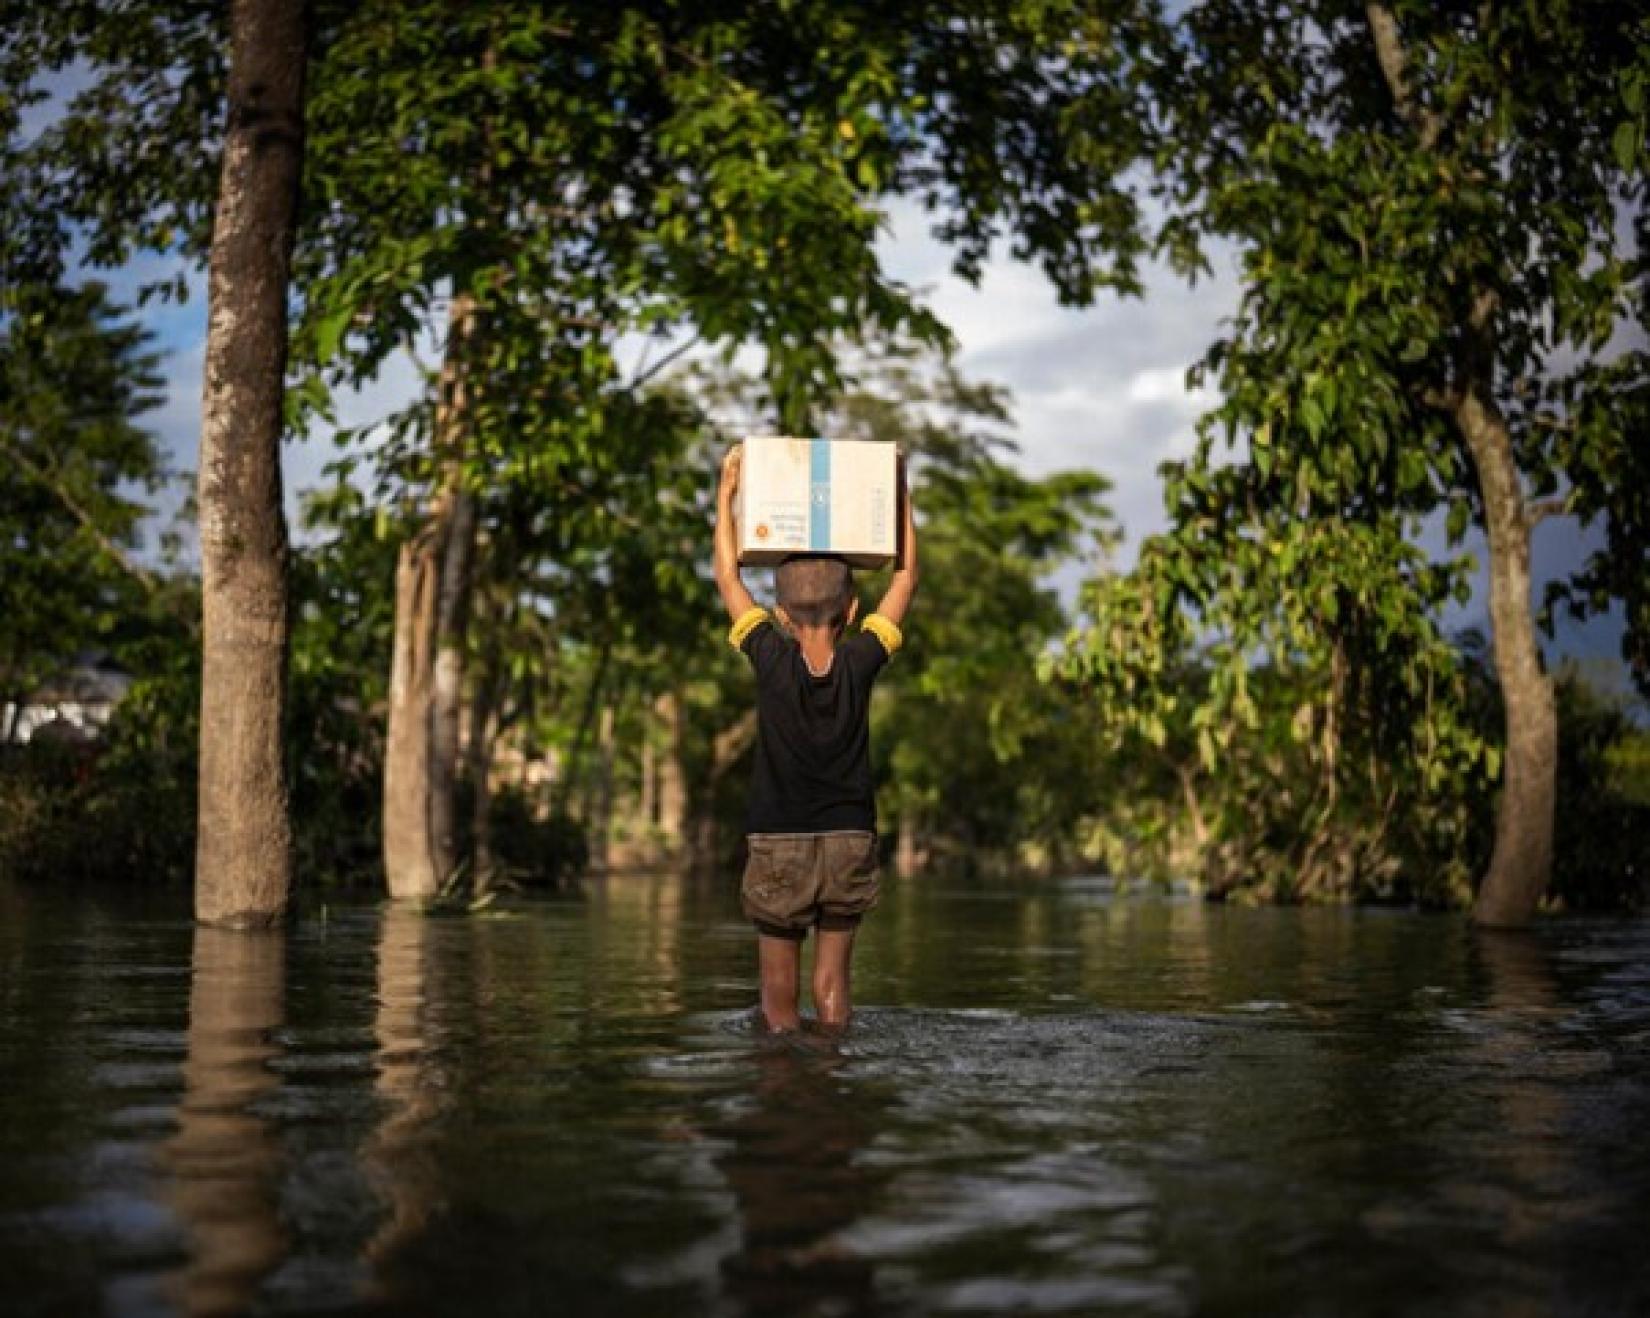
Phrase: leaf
(329,332)
(1627,146)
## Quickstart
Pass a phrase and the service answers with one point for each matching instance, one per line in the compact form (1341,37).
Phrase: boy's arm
(735,598)
(903,585)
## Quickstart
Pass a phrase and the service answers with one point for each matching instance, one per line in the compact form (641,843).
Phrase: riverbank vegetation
(491,655)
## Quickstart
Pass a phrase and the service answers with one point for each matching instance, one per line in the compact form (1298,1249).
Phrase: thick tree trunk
(409,846)
(418,829)
(243,853)
(1521,863)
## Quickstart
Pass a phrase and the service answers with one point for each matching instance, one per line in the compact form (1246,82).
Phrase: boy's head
(816,590)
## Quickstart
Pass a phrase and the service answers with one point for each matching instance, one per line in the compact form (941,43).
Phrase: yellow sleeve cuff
(884,631)
(744,625)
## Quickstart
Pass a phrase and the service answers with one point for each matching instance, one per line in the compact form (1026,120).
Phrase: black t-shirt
(812,772)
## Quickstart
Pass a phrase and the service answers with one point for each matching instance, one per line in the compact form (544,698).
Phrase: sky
(1101,388)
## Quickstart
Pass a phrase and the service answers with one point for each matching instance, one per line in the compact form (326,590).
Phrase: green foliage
(1603,813)
(1397,251)
(1291,680)
(75,374)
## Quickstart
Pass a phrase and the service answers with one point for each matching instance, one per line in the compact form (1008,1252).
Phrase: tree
(75,378)
(1435,211)
(608,170)
(243,865)
(550,177)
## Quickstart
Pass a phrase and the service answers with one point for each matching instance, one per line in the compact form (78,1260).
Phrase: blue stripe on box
(819,494)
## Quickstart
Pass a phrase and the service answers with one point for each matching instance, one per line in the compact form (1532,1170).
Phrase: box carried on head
(822,496)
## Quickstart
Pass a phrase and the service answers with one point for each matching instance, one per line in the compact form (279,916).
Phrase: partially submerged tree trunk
(1521,864)
(484,730)
(243,852)
(670,797)
(599,802)
(452,617)
(430,572)
(703,833)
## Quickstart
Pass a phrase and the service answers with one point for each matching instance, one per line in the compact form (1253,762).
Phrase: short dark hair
(815,589)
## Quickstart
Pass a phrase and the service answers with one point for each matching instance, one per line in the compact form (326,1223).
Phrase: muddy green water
(1053,1101)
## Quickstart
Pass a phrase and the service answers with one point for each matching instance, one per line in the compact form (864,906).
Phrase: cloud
(1101,387)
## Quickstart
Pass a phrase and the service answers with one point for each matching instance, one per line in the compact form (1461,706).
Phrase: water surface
(1054,1100)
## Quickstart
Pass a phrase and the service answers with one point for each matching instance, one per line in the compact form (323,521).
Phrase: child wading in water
(811,819)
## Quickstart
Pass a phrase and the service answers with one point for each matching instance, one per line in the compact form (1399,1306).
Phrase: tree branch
(81,515)
(1538,510)
(1394,61)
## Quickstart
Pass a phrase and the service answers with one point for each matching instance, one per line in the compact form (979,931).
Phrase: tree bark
(431,590)
(1521,864)
(409,847)
(243,853)
(670,789)
(452,618)
(599,814)
(907,853)
(484,727)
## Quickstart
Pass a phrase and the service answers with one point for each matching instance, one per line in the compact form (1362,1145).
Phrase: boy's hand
(729,485)
(726,562)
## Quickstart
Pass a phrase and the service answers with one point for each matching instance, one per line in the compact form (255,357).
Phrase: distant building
(72,706)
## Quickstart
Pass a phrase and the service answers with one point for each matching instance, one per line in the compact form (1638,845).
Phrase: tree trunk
(484,724)
(670,792)
(647,806)
(409,846)
(599,815)
(452,617)
(243,851)
(417,852)
(906,855)
(1521,863)
(701,832)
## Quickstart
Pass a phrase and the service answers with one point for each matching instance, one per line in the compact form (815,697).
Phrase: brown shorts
(794,881)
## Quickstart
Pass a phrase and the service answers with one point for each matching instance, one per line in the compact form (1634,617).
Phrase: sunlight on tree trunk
(426,675)
(243,859)
(1521,863)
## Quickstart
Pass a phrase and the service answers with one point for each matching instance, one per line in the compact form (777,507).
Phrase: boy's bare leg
(832,959)
(780,962)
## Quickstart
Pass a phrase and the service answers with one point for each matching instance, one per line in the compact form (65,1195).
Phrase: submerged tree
(1443,259)
(243,858)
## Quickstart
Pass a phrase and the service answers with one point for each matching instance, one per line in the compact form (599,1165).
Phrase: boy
(811,821)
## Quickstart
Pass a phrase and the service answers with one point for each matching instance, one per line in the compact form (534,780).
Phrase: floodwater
(1053,1100)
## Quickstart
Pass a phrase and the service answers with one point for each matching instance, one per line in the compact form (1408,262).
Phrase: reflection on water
(398,1156)
(793,1165)
(1052,1100)
(225,1160)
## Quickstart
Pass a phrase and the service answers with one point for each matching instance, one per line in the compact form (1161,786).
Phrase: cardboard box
(825,496)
